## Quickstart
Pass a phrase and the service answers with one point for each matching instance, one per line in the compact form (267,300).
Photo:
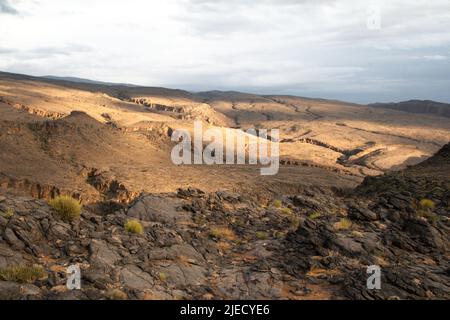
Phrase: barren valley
(122,134)
(349,193)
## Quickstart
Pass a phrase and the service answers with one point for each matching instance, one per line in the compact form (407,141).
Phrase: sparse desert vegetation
(343,224)
(163,276)
(8,214)
(315,215)
(116,294)
(223,245)
(277,203)
(427,204)
(295,221)
(425,210)
(67,207)
(262,235)
(22,273)
(134,226)
(223,233)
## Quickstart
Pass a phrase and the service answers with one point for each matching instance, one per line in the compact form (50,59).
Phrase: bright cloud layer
(309,48)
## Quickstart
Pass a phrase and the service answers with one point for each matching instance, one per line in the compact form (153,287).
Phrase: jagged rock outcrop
(399,221)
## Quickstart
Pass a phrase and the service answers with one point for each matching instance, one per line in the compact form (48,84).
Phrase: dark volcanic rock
(361,213)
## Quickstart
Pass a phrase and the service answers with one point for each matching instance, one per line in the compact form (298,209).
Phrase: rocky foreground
(315,244)
(225,246)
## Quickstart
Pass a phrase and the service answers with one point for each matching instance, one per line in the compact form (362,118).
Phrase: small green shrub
(22,274)
(134,226)
(67,207)
(286,211)
(116,294)
(280,235)
(163,276)
(277,203)
(427,204)
(8,214)
(223,246)
(425,209)
(295,221)
(222,233)
(343,224)
(261,235)
(315,215)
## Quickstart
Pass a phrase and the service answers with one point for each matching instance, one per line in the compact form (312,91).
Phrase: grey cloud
(251,3)
(224,17)
(6,8)
(59,50)
(7,51)
(436,57)
(310,48)
(45,52)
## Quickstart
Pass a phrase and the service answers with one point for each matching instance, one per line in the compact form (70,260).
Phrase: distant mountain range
(88,81)
(418,106)
(410,106)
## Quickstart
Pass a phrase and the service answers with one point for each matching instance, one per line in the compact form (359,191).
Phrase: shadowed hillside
(418,106)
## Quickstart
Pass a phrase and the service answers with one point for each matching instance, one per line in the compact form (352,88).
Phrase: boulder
(134,278)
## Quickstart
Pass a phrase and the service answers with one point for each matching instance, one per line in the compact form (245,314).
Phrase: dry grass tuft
(8,214)
(343,224)
(67,207)
(163,276)
(223,246)
(22,274)
(427,204)
(222,233)
(277,203)
(134,226)
(286,211)
(262,235)
(315,215)
(116,294)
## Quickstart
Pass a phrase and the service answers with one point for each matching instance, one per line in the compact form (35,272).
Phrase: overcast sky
(320,48)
